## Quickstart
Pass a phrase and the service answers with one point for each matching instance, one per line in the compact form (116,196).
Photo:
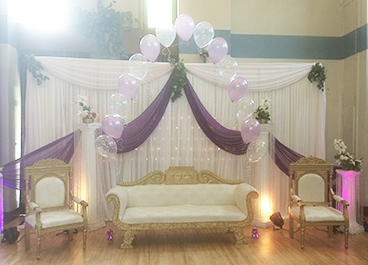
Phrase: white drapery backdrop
(297,114)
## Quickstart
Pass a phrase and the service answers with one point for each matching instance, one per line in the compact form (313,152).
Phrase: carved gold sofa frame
(183,176)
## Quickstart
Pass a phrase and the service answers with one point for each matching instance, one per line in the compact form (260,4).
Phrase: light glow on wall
(159,13)
(43,15)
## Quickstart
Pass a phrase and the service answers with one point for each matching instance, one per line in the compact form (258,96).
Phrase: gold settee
(182,198)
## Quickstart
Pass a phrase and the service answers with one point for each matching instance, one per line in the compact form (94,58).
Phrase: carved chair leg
(38,244)
(239,235)
(27,237)
(84,237)
(128,239)
(291,227)
(346,236)
(303,235)
(329,229)
(70,235)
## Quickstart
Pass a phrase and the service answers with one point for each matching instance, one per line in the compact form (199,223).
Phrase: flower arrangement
(85,111)
(262,112)
(344,159)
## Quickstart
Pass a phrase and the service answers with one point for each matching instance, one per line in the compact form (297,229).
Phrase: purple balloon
(128,85)
(217,49)
(184,25)
(150,47)
(250,130)
(237,88)
(112,125)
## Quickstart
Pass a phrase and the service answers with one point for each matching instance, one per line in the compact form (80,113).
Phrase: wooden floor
(191,246)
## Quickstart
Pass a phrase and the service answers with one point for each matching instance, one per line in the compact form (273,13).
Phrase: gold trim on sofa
(182,176)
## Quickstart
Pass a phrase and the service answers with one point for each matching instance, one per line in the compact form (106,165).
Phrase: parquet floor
(191,246)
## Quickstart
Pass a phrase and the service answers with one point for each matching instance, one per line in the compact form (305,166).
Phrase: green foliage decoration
(179,79)
(318,74)
(103,29)
(34,67)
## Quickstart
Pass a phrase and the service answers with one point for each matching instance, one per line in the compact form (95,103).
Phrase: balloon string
(168,54)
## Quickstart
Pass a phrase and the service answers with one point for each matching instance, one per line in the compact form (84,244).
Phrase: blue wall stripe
(286,47)
(290,47)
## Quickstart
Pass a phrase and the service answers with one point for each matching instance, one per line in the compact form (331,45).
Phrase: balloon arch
(113,124)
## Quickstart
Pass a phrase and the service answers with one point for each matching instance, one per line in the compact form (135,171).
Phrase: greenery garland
(103,29)
(34,67)
(179,79)
(318,74)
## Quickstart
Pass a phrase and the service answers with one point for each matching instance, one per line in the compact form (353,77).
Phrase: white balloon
(166,36)
(118,104)
(256,151)
(138,65)
(203,34)
(245,109)
(106,146)
(228,68)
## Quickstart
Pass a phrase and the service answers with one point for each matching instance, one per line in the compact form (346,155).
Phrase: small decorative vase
(262,121)
(88,120)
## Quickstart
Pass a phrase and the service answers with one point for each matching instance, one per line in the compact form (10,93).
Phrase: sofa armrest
(120,195)
(243,193)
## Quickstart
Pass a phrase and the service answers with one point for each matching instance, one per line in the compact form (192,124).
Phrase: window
(159,13)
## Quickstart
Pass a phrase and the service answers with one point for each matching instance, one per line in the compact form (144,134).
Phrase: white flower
(82,99)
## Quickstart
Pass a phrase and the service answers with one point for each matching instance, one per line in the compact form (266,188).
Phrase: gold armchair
(311,197)
(49,201)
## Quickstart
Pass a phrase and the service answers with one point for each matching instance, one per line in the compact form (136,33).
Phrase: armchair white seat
(311,197)
(49,201)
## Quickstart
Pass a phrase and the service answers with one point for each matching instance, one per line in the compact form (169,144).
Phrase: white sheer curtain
(297,113)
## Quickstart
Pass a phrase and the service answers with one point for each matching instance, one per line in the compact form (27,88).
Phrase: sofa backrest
(166,195)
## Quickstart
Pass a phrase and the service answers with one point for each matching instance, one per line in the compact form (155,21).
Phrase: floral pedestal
(263,121)
(88,120)
(348,187)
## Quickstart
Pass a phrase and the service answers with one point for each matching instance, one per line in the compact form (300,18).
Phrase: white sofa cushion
(319,213)
(168,195)
(56,218)
(182,214)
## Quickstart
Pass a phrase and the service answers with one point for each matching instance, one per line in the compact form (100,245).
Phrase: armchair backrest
(48,184)
(310,179)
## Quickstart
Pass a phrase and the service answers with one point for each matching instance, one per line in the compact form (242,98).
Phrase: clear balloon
(166,36)
(237,88)
(118,104)
(256,151)
(128,85)
(228,68)
(113,125)
(106,146)
(138,65)
(250,130)
(203,34)
(217,49)
(150,47)
(184,25)
(245,109)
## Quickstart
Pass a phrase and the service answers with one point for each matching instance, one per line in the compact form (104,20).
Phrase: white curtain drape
(297,120)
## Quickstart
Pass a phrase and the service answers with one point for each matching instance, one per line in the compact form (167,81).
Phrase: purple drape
(63,149)
(228,140)
(284,156)
(137,131)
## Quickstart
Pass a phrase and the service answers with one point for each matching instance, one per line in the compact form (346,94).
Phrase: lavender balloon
(184,25)
(250,130)
(128,85)
(237,88)
(217,49)
(150,47)
(113,125)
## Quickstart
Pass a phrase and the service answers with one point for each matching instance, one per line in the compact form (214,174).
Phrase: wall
(331,32)
(354,92)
